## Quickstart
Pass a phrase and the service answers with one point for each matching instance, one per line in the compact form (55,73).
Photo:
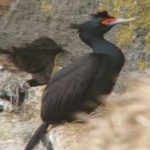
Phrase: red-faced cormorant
(79,86)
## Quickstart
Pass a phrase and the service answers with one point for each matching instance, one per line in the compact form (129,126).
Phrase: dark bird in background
(36,58)
(79,87)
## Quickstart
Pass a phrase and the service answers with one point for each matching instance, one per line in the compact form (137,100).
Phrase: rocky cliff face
(28,20)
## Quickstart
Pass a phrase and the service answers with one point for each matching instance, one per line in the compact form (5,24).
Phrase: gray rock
(28,20)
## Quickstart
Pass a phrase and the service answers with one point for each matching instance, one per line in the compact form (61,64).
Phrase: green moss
(57,62)
(129,8)
(124,36)
(56,69)
(143,65)
(147,38)
(46,5)
(117,7)
(57,59)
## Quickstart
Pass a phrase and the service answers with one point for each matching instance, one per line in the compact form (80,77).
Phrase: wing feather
(65,97)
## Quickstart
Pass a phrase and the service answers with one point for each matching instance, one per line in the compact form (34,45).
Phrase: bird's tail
(37,136)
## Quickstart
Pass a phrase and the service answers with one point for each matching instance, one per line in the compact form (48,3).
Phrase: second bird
(36,58)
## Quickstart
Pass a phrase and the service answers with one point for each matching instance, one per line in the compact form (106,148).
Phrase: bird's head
(98,25)
(105,20)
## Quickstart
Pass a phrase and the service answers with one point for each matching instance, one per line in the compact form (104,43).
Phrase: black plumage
(79,86)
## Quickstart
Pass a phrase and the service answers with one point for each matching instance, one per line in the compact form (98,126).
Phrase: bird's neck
(102,46)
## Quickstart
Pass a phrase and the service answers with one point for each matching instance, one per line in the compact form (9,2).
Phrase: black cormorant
(79,86)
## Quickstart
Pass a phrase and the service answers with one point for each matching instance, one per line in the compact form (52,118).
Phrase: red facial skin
(108,21)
